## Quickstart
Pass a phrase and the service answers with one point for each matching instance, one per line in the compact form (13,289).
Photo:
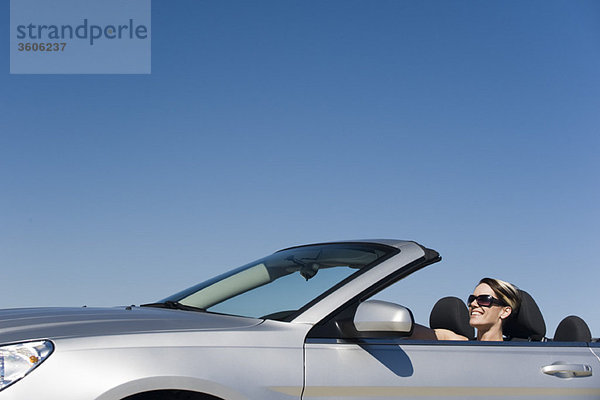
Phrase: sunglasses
(485,300)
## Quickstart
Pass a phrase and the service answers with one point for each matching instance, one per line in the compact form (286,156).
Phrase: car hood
(53,323)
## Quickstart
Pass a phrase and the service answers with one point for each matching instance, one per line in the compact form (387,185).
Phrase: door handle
(561,369)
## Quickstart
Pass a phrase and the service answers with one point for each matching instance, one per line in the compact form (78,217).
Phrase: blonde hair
(506,292)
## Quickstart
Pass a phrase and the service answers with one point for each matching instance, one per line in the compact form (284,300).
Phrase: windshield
(280,284)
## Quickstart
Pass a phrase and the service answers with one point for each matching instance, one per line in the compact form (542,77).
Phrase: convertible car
(298,324)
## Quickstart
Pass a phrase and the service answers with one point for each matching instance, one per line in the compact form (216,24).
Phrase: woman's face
(486,317)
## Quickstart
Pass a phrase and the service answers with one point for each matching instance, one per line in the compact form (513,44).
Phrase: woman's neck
(492,334)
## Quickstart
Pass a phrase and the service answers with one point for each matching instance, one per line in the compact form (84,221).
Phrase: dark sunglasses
(485,300)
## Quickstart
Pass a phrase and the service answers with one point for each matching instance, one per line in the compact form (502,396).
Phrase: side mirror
(383,318)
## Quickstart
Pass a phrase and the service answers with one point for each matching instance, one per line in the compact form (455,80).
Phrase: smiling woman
(492,303)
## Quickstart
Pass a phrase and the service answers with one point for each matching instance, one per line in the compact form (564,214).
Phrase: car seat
(572,329)
(527,323)
(451,313)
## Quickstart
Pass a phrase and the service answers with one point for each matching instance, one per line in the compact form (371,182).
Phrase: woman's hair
(506,292)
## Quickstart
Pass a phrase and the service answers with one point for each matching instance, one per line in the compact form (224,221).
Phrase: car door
(399,368)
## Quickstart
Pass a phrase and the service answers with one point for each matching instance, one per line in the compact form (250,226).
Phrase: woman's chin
(475,321)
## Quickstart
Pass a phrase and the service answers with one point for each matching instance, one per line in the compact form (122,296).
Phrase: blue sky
(470,127)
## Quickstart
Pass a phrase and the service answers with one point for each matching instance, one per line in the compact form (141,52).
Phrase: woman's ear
(506,311)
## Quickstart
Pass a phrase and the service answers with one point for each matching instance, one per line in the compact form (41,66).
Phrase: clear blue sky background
(470,127)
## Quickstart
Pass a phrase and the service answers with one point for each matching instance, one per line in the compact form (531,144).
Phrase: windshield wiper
(174,305)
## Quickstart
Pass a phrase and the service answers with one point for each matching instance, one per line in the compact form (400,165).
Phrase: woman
(492,302)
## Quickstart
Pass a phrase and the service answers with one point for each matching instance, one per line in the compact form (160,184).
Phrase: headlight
(17,360)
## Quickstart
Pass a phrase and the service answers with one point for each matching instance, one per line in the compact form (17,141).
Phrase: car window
(282,283)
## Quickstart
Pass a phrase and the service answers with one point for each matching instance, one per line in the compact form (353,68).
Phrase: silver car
(298,324)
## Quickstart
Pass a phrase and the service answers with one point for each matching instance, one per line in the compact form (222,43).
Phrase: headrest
(451,313)
(528,322)
(572,329)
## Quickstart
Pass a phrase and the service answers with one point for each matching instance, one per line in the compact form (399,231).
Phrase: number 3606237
(41,46)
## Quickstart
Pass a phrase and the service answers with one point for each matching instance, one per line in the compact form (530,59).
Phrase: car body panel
(595,348)
(440,370)
(245,363)
(55,323)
